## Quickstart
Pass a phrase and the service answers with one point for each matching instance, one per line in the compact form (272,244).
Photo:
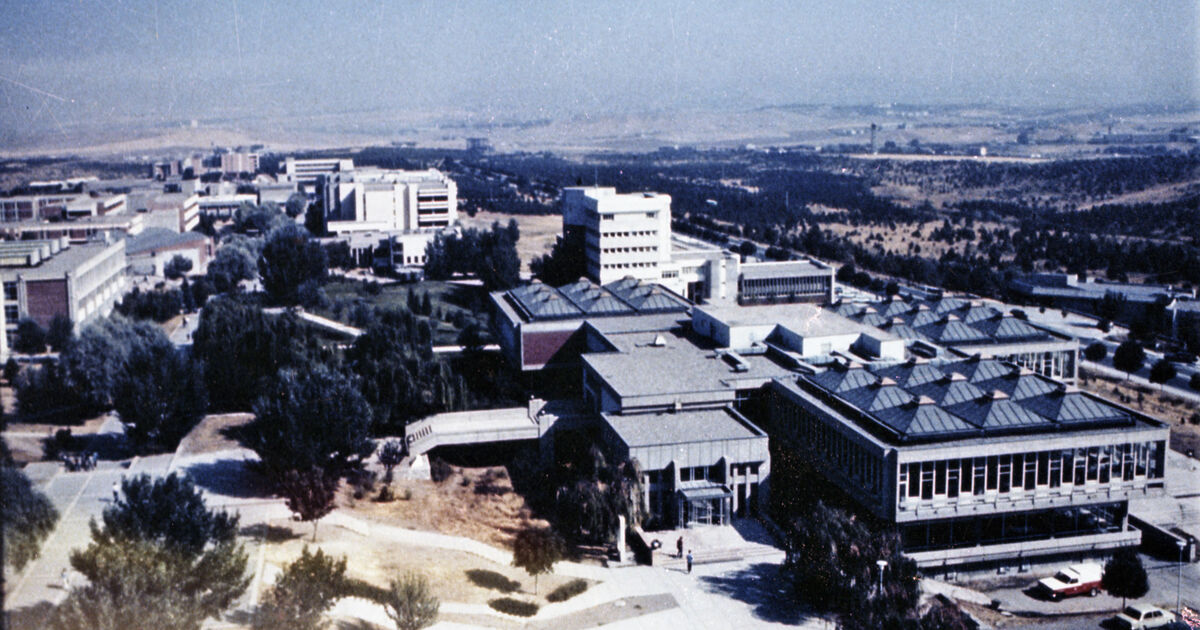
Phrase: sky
(68,61)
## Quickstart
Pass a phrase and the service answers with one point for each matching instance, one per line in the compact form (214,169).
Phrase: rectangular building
(388,200)
(976,461)
(42,279)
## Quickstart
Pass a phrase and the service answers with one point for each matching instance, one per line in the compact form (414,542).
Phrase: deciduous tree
(309,494)
(305,589)
(177,267)
(1162,371)
(536,551)
(1124,576)
(1095,352)
(290,258)
(1129,357)
(28,517)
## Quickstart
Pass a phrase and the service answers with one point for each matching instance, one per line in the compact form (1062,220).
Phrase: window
(980,473)
(914,480)
(1005,473)
(940,479)
(1093,463)
(1056,468)
(952,480)
(1030,471)
(606,217)
(1105,463)
(11,312)
(10,291)
(1043,463)
(1068,465)
(993,472)
(966,475)
(926,480)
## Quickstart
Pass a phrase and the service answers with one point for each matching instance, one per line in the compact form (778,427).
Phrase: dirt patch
(538,232)
(476,503)
(1173,410)
(214,433)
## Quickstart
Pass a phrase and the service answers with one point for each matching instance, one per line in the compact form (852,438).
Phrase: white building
(388,200)
(309,171)
(629,235)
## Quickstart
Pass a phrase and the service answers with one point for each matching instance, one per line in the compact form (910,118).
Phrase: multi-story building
(630,235)
(964,328)
(388,200)
(308,171)
(85,230)
(58,206)
(149,252)
(238,162)
(976,461)
(224,206)
(45,278)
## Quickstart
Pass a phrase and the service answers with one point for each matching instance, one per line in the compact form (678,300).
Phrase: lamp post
(1179,576)
(882,564)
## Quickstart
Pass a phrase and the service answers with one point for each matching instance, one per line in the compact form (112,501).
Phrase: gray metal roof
(151,239)
(584,299)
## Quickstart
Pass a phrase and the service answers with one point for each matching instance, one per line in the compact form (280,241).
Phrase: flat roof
(66,260)
(156,238)
(703,425)
(644,367)
(808,320)
(783,269)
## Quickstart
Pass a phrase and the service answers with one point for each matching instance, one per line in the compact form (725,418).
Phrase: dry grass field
(1171,409)
(538,232)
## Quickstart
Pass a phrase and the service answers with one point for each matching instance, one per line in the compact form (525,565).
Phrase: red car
(1073,580)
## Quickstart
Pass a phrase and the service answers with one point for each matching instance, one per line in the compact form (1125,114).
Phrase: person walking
(679,547)
(65,576)
(689,560)
(116,488)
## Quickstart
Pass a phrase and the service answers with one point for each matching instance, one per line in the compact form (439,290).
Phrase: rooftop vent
(659,341)
(883,381)
(992,396)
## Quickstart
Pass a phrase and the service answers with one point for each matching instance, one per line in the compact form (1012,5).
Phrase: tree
(390,455)
(28,517)
(410,602)
(296,204)
(310,418)
(177,267)
(290,258)
(161,558)
(303,592)
(747,249)
(236,260)
(60,332)
(11,370)
(160,396)
(536,551)
(1129,357)
(1124,576)
(309,494)
(1095,352)
(1162,371)
(1194,382)
(1111,306)
(31,338)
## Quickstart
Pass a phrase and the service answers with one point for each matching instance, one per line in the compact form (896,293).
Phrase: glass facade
(1013,527)
(1014,475)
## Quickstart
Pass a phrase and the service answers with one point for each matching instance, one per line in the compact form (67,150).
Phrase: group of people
(79,461)
(679,553)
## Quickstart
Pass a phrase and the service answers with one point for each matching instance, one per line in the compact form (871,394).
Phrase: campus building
(804,331)
(703,461)
(45,278)
(976,461)
(1069,291)
(630,235)
(957,327)
(307,171)
(388,200)
(149,252)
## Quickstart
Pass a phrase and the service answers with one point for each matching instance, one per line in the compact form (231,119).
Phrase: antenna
(596,175)
(873,128)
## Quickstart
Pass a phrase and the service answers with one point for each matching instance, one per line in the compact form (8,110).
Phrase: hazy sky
(76,60)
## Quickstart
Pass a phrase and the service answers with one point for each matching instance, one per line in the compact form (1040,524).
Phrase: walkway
(470,427)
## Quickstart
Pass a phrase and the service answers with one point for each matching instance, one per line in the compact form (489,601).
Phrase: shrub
(510,606)
(385,495)
(493,580)
(1194,382)
(1194,418)
(363,482)
(567,591)
(407,496)
(62,442)
(439,470)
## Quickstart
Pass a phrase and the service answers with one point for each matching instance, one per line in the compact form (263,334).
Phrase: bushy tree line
(491,255)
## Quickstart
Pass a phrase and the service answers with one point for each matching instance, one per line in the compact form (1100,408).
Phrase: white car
(1138,616)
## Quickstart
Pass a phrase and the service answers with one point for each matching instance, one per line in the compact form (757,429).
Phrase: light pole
(1179,576)
(882,564)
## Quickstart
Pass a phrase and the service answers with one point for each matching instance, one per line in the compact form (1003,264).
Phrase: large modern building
(957,327)
(538,326)
(45,278)
(702,461)
(806,331)
(387,200)
(630,235)
(306,172)
(977,461)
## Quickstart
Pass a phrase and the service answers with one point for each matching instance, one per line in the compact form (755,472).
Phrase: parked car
(1073,580)
(1138,616)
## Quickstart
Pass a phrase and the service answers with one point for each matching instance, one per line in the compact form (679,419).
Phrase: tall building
(308,171)
(629,235)
(388,200)
(622,234)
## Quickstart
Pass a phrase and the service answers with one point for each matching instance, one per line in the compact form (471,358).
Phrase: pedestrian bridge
(487,425)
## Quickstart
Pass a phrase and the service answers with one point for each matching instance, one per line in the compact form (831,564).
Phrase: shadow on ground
(761,586)
(229,477)
(269,533)
(33,617)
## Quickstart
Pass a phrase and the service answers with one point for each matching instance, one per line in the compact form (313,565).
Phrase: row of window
(1001,474)
(636,265)
(626,250)
(612,217)
(627,234)
(841,453)
(715,473)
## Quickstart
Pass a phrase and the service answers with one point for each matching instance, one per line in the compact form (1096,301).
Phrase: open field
(477,503)
(450,300)
(538,232)
(1172,410)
